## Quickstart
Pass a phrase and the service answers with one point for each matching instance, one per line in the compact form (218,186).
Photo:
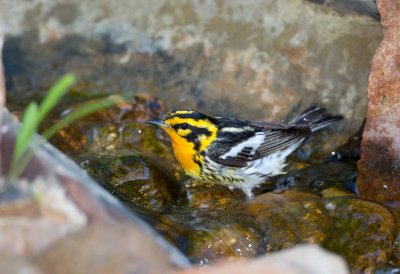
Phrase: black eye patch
(184,126)
(194,134)
(195,131)
(181,126)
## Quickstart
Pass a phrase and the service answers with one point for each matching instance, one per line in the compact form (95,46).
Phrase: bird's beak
(157,123)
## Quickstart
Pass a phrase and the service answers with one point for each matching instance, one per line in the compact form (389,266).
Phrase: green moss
(137,179)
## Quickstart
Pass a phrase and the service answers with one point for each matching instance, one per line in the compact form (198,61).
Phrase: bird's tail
(315,118)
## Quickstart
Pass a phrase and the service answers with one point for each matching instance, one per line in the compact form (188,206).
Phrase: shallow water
(314,202)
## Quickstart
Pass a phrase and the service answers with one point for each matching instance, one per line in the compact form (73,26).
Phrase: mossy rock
(137,179)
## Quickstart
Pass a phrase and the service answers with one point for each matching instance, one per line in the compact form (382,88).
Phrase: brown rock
(290,218)
(224,241)
(24,236)
(140,108)
(379,168)
(199,194)
(209,230)
(362,232)
(359,230)
(112,249)
(308,259)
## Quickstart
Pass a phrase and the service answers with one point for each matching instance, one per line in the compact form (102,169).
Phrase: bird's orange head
(191,132)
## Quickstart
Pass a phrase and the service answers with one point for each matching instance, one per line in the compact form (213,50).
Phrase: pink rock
(379,166)
(12,264)
(106,249)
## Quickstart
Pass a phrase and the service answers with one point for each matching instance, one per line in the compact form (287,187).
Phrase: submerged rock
(104,138)
(213,233)
(116,128)
(359,230)
(289,218)
(202,195)
(231,240)
(137,180)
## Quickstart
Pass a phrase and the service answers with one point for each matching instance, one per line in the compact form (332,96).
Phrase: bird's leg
(184,179)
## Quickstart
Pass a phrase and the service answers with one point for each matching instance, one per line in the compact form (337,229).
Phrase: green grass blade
(55,94)
(28,127)
(34,115)
(80,112)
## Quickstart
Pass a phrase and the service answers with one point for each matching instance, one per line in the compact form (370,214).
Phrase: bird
(237,153)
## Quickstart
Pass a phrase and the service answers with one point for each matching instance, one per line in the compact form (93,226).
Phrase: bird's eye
(184,126)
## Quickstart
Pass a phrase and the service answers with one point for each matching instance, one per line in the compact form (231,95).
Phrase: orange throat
(184,152)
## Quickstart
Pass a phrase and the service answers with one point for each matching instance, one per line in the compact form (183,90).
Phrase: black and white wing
(260,144)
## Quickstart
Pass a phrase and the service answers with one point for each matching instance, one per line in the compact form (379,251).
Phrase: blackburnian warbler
(237,153)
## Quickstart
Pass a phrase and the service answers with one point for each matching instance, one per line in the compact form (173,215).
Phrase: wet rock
(70,140)
(379,169)
(115,128)
(210,229)
(207,56)
(389,269)
(394,208)
(202,195)
(140,108)
(120,248)
(208,224)
(146,107)
(335,192)
(301,259)
(213,233)
(362,232)
(92,137)
(289,218)
(316,178)
(231,240)
(138,180)
(359,230)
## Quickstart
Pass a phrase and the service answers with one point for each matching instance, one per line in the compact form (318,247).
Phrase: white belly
(246,178)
